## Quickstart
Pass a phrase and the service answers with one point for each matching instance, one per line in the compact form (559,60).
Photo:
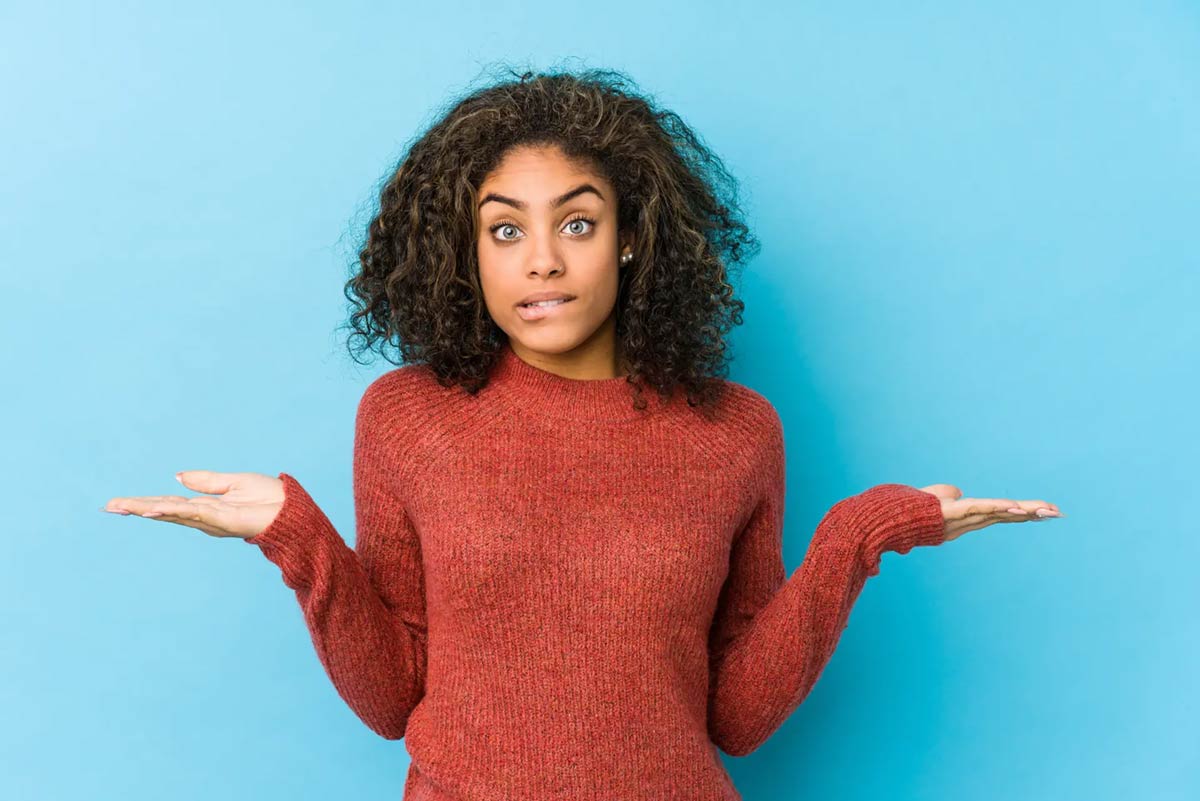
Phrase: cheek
(493,276)
(600,300)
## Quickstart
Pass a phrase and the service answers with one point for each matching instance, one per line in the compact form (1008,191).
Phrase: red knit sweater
(554,595)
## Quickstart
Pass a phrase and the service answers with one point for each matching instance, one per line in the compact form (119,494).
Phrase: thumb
(206,481)
(947,491)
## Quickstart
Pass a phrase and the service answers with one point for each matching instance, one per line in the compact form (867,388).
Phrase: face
(548,225)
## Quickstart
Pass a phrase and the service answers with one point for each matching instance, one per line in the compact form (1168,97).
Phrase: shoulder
(751,412)
(400,411)
(756,426)
(405,394)
(408,381)
(741,429)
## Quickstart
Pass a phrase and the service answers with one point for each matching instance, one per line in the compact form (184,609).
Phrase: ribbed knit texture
(554,595)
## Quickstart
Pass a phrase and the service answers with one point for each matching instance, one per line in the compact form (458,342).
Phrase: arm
(772,638)
(364,608)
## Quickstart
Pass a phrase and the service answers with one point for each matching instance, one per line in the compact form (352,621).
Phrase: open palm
(246,503)
(968,514)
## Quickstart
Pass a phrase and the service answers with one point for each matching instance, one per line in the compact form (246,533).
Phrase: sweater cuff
(895,517)
(289,539)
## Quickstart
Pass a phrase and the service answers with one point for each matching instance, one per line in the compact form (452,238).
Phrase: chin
(550,339)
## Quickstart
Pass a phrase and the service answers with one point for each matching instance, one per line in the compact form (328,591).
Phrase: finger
(976,522)
(190,520)
(177,511)
(207,481)
(1048,505)
(980,512)
(1016,514)
(150,498)
(1039,509)
(987,506)
(119,504)
(142,504)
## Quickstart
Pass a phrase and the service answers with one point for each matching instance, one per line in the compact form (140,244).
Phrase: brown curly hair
(416,280)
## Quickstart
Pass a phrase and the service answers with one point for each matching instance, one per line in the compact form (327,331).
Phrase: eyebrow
(558,201)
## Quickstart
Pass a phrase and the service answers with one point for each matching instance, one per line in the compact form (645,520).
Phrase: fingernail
(152,514)
(1048,513)
(1017,510)
(178,477)
(113,511)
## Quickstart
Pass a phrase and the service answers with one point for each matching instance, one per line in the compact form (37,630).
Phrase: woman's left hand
(968,514)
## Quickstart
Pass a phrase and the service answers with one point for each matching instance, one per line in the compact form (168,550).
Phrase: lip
(531,313)
(536,296)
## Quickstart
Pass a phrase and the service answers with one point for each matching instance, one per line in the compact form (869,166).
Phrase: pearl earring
(626,258)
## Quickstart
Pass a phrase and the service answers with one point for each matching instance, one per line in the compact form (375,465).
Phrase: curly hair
(416,281)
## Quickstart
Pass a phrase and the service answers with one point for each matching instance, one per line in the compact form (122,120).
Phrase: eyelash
(502,224)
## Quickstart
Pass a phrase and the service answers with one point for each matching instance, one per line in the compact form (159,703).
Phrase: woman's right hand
(246,504)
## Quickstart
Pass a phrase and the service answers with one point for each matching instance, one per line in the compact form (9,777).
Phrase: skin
(539,247)
(551,248)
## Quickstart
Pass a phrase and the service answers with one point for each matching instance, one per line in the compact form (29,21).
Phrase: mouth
(542,308)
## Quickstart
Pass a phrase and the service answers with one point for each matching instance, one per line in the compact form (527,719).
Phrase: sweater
(553,594)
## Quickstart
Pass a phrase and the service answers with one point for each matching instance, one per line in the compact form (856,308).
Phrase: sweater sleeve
(364,608)
(772,638)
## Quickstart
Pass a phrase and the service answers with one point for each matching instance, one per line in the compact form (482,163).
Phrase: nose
(545,257)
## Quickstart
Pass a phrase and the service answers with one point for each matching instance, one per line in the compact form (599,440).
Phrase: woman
(567,579)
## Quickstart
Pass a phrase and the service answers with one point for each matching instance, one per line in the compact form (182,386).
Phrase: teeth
(547,302)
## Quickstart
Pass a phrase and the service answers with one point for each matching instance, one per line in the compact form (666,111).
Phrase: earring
(628,257)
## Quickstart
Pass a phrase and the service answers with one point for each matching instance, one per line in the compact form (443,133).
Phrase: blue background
(979,267)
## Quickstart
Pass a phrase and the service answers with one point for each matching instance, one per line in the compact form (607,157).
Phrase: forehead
(541,172)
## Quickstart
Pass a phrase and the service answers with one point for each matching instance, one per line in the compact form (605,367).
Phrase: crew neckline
(532,389)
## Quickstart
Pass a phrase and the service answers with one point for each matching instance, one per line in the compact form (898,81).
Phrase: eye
(581,219)
(500,225)
(574,221)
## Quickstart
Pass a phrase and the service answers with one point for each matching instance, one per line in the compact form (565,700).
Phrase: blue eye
(587,220)
(580,219)
(498,226)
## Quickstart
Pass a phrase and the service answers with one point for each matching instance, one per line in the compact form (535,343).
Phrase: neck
(538,390)
(598,356)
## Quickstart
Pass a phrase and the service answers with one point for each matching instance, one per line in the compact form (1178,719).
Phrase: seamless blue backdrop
(979,267)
